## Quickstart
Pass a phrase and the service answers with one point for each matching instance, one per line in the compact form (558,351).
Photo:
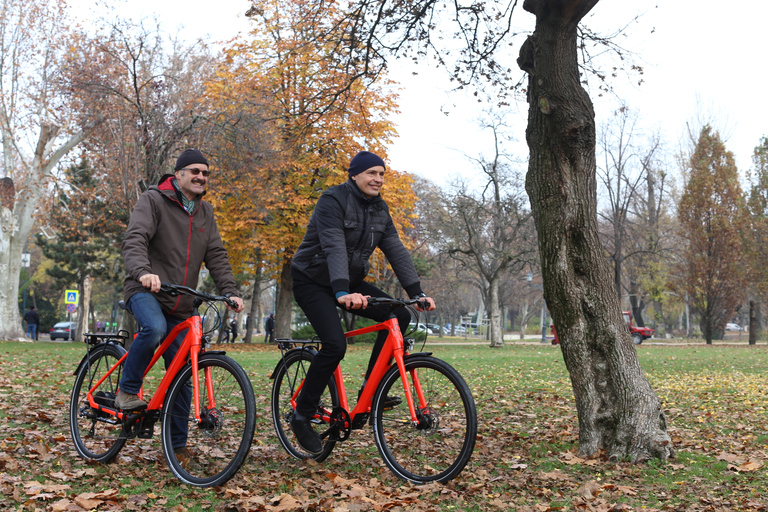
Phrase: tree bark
(754,307)
(497,335)
(284,308)
(617,409)
(85,309)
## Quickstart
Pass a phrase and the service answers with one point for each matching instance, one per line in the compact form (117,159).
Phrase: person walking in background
(33,320)
(233,329)
(269,328)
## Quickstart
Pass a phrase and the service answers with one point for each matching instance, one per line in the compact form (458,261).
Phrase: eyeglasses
(195,172)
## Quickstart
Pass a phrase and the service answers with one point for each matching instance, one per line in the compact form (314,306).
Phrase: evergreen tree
(88,229)
(712,214)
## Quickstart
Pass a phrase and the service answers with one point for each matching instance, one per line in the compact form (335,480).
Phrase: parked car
(434,328)
(419,327)
(459,330)
(63,330)
(730,326)
(638,333)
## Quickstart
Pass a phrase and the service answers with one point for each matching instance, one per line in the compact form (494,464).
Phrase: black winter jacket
(344,230)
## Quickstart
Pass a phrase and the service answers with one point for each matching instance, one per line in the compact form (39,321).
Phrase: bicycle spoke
(287,379)
(440,444)
(96,434)
(211,451)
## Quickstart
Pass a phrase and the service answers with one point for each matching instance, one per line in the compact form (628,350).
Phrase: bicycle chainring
(340,425)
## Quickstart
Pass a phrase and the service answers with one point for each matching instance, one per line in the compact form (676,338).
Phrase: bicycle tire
(217,446)
(441,446)
(96,435)
(288,375)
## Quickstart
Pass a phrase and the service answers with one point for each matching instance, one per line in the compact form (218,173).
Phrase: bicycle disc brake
(428,419)
(340,425)
(211,422)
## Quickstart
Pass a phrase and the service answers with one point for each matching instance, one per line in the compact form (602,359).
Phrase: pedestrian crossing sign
(71,297)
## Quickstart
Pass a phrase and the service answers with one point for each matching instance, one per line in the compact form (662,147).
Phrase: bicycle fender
(212,352)
(280,361)
(96,350)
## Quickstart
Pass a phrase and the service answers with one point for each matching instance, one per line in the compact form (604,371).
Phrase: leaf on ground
(590,490)
(746,467)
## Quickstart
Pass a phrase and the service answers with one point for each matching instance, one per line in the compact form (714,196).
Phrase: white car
(732,327)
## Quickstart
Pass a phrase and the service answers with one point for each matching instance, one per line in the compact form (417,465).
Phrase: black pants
(319,304)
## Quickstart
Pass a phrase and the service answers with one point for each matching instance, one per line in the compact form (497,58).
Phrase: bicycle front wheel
(96,434)
(439,446)
(211,451)
(288,377)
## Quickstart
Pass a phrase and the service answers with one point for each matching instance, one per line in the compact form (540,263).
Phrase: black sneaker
(392,401)
(308,439)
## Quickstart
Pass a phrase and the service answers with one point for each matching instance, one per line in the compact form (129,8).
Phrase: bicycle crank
(339,428)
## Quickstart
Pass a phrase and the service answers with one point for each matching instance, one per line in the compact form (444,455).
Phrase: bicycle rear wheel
(439,447)
(210,452)
(288,376)
(96,434)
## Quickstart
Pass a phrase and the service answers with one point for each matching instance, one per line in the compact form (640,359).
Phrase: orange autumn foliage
(292,117)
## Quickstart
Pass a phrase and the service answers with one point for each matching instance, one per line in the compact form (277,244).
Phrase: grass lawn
(526,457)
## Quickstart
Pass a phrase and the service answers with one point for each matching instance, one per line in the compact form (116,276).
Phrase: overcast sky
(698,55)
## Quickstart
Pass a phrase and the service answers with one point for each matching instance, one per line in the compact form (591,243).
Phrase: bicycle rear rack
(96,338)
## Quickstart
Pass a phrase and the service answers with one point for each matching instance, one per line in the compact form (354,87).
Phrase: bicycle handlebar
(386,301)
(177,289)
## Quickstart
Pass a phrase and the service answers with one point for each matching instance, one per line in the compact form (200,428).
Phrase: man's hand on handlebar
(151,281)
(353,301)
(239,302)
(430,303)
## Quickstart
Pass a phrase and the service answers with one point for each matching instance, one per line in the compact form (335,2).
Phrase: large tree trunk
(617,408)
(85,309)
(754,321)
(253,312)
(284,308)
(17,221)
(497,335)
(11,248)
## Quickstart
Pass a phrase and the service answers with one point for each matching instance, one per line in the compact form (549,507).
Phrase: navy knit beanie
(363,161)
(190,156)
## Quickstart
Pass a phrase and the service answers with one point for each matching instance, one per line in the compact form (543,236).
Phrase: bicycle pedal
(146,433)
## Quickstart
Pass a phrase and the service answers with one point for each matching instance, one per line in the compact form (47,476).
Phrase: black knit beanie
(190,156)
(363,161)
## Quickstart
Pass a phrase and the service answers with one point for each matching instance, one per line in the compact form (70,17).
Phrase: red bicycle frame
(394,347)
(191,346)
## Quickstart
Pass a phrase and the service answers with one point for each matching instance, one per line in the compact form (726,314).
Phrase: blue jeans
(31,331)
(154,327)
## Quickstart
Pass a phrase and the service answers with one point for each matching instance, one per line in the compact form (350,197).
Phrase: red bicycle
(221,418)
(428,437)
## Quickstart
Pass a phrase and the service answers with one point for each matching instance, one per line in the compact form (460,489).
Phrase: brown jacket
(164,239)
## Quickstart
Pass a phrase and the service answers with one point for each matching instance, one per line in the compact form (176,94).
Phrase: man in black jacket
(33,320)
(349,222)
(269,329)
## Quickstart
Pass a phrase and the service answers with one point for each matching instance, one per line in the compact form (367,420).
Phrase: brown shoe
(129,402)
(183,455)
